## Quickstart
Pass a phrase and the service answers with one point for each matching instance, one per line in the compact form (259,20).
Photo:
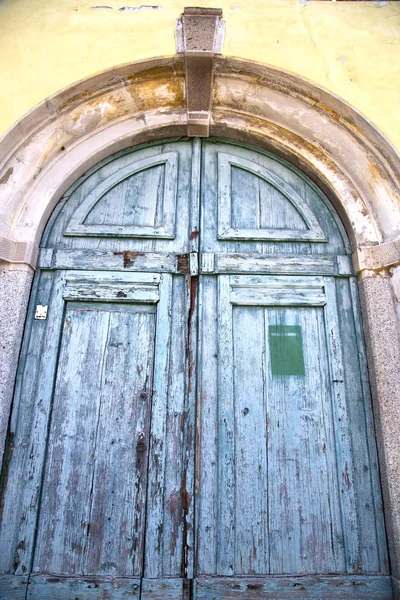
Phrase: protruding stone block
(199,37)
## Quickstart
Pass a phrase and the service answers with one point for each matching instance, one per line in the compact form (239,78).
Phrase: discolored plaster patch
(138,8)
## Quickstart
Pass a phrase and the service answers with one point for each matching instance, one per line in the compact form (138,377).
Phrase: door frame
(346,155)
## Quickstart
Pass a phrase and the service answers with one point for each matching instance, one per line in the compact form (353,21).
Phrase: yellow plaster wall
(350,48)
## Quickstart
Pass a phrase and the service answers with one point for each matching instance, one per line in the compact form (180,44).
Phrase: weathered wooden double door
(192,414)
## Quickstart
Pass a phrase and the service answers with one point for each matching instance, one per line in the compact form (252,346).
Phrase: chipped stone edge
(377,260)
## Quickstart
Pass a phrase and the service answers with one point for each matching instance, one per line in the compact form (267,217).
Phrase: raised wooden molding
(226,231)
(166,230)
(199,38)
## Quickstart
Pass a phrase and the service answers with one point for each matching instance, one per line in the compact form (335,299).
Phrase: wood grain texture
(13,587)
(82,588)
(116,523)
(248,198)
(156,501)
(175,429)
(277,211)
(258,263)
(343,438)
(138,200)
(144,210)
(207,430)
(21,502)
(166,262)
(280,508)
(161,589)
(287,588)
(363,432)
(303,493)
(226,494)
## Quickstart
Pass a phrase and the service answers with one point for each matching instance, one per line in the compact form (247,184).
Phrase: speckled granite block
(383,348)
(15,287)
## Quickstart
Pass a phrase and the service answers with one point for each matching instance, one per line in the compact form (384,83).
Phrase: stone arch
(69,132)
(345,154)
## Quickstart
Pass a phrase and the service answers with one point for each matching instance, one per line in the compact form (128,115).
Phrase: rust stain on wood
(185,501)
(183,264)
(193,291)
(129,257)
(175,510)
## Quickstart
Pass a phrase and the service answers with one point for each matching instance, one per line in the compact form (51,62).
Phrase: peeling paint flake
(137,8)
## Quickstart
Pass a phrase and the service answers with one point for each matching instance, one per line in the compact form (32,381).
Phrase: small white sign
(41,312)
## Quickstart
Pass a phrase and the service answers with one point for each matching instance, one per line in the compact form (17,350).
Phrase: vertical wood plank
(65,503)
(31,342)
(226,434)
(157,448)
(251,493)
(343,438)
(207,488)
(191,369)
(116,525)
(172,538)
(25,478)
(194,226)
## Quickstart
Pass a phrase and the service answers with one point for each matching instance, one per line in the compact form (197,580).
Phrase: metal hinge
(207,262)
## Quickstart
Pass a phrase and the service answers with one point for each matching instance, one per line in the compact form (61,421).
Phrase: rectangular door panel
(277,458)
(305,525)
(94,490)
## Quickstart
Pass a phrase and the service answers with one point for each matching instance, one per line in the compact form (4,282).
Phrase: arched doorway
(194,407)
